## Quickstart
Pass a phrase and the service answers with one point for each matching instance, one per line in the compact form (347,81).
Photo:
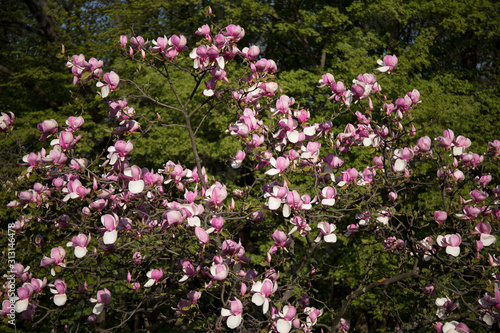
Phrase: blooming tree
(164,248)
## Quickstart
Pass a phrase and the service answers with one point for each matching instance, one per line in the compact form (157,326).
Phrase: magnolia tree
(103,243)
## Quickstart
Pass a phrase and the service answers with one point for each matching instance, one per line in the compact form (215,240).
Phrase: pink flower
(234,315)
(80,244)
(24,293)
(103,299)
(404,103)
(201,234)
(326,232)
(194,296)
(112,81)
(204,31)
(414,96)
(251,53)
(234,32)
(238,159)
(47,127)
(6,121)
(280,238)
(493,147)
(216,194)
(262,292)
(138,42)
(110,222)
(74,123)
(348,176)
(75,189)
(402,156)
(279,165)
(57,255)
(188,269)
(178,42)
(447,139)
(461,144)
(484,229)
(154,276)
(424,144)
(285,318)
(440,216)
(137,258)
(301,225)
(59,291)
(451,242)
(219,272)
(123,41)
(66,140)
(326,80)
(328,193)
(485,179)
(312,315)
(478,196)
(446,305)
(388,63)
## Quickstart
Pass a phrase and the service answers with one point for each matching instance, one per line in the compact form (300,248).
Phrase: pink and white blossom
(234,315)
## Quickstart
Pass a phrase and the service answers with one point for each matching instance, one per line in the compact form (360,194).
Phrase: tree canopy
(447,51)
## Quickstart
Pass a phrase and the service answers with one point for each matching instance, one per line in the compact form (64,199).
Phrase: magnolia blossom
(240,156)
(301,225)
(387,64)
(119,151)
(262,292)
(103,299)
(57,255)
(451,243)
(112,80)
(23,296)
(326,232)
(312,315)
(478,196)
(216,194)
(20,271)
(59,291)
(447,139)
(277,197)
(201,234)
(403,156)
(80,244)
(279,164)
(6,121)
(234,315)
(454,327)
(446,305)
(110,222)
(484,229)
(440,216)
(423,144)
(219,272)
(189,270)
(75,189)
(285,319)
(47,127)
(74,123)
(154,276)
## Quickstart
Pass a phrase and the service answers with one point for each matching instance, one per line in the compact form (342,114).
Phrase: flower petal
(234,321)
(136,186)
(110,237)
(60,299)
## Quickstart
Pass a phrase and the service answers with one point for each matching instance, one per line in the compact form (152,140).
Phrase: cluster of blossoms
(187,214)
